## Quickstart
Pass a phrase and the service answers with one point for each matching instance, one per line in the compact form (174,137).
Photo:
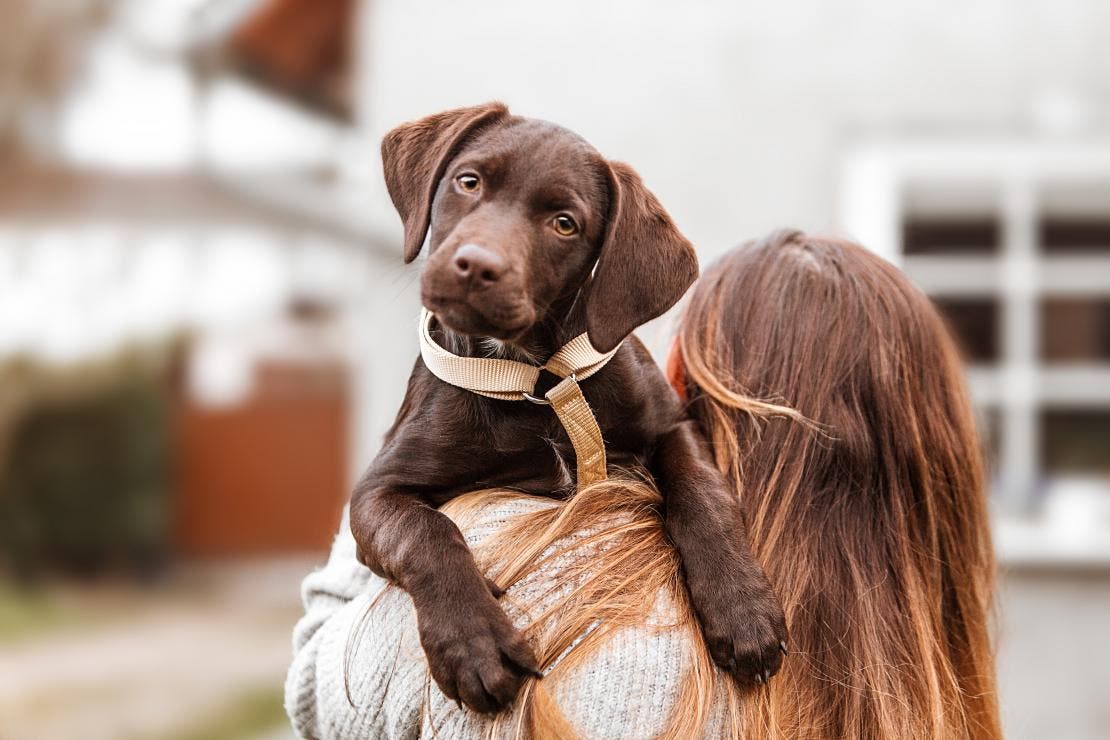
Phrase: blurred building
(126,226)
(1010,235)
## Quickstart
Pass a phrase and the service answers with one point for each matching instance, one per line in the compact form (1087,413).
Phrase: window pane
(1076,441)
(975,324)
(1075,217)
(950,235)
(1075,330)
(1075,235)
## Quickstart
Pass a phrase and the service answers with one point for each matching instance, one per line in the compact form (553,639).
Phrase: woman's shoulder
(606,680)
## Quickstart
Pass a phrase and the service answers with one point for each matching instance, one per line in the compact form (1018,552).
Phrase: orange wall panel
(265,477)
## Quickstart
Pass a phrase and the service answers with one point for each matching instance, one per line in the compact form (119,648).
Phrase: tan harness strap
(578,419)
(578,358)
(509,380)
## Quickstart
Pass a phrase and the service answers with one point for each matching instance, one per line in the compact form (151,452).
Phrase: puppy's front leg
(741,618)
(474,652)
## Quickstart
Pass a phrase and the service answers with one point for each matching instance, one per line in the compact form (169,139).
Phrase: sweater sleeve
(334,596)
(358,670)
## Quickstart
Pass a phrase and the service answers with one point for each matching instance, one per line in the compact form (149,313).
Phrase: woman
(863,482)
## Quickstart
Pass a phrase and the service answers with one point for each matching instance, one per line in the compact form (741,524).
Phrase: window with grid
(1012,242)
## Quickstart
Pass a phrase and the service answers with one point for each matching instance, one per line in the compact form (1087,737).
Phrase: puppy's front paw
(475,654)
(744,629)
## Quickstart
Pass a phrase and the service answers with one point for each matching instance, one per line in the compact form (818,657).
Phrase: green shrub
(85,485)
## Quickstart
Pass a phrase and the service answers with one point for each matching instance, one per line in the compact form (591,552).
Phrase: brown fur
(499,270)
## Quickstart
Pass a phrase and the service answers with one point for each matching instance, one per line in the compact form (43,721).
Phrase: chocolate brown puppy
(533,238)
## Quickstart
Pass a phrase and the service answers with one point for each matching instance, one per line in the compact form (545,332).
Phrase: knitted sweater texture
(358,670)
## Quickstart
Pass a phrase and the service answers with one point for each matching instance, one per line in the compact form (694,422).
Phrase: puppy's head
(520,214)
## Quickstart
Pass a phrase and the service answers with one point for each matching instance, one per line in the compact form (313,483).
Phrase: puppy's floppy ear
(415,155)
(646,264)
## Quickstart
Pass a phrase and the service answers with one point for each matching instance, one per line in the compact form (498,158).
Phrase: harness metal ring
(533,399)
(543,401)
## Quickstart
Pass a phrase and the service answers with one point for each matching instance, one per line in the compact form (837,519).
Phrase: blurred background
(205,324)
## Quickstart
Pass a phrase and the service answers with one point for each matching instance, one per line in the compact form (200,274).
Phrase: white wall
(736,112)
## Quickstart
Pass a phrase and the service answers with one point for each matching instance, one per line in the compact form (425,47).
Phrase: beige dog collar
(509,380)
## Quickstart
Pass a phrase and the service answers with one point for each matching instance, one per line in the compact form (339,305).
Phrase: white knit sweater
(626,689)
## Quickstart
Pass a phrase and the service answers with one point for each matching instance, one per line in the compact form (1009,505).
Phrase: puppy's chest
(537,440)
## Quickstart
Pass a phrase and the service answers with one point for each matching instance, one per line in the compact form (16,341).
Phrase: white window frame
(875,180)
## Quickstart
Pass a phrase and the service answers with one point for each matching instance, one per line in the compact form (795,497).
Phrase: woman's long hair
(833,397)
(613,563)
(872,522)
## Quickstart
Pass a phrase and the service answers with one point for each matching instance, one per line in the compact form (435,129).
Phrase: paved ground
(215,643)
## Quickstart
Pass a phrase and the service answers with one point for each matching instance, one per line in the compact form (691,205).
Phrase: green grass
(28,613)
(248,715)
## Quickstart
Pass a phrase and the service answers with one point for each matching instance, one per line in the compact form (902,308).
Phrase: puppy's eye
(468,182)
(565,225)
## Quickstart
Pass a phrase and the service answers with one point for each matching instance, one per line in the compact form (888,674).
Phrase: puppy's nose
(478,266)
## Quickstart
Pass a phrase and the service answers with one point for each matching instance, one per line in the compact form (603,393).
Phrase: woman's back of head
(863,482)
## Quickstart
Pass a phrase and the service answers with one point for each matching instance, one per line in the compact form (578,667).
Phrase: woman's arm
(358,669)
(359,672)
(334,598)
